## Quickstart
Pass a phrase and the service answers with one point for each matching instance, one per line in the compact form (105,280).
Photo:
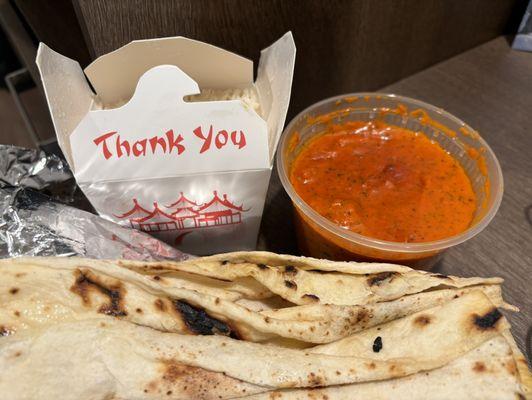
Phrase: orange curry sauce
(384,182)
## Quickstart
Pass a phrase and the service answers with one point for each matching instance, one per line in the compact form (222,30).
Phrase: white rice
(247,95)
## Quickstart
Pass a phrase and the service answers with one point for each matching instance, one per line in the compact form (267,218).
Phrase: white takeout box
(194,174)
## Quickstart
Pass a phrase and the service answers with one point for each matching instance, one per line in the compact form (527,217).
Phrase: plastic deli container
(322,238)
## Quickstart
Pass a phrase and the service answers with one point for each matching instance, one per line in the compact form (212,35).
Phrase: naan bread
(120,359)
(37,292)
(485,373)
(82,329)
(460,321)
(112,359)
(303,280)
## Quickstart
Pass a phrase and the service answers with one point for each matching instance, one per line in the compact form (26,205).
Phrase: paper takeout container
(194,174)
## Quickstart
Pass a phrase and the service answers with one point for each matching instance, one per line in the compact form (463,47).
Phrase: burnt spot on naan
(86,282)
(290,284)
(14,290)
(355,321)
(364,315)
(479,367)
(395,370)
(160,305)
(193,383)
(315,380)
(488,320)
(310,297)
(200,322)
(378,279)
(151,387)
(6,331)
(377,344)
(17,313)
(290,270)
(16,354)
(422,320)
(262,266)
(511,367)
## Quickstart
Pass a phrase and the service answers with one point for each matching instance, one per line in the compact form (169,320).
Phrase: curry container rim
(496,181)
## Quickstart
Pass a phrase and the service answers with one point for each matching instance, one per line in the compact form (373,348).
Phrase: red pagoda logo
(184,214)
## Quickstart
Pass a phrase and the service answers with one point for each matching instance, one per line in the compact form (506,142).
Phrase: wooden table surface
(490,88)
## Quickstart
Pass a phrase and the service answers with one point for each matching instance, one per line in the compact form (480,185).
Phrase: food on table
(384,182)
(484,373)
(222,294)
(251,325)
(381,177)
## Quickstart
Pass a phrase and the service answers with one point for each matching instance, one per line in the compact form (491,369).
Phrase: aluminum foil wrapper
(35,169)
(35,219)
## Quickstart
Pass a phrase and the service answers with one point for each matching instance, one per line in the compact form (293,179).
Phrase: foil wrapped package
(37,170)
(35,221)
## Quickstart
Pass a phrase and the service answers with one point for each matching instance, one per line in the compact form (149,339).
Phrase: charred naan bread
(251,325)
(303,280)
(105,358)
(485,373)
(35,291)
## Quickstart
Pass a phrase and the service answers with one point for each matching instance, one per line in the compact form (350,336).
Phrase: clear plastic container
(319,237)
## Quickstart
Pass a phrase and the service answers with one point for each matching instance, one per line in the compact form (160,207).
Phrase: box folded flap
(114,76)
(67,92)
(274,83)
